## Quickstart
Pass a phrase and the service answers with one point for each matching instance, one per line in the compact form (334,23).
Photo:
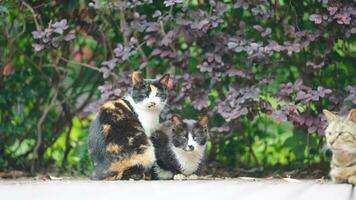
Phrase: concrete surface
(236,189)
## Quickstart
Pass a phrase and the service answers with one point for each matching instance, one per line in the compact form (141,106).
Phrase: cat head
(149,94)
(341,131)
(189,134)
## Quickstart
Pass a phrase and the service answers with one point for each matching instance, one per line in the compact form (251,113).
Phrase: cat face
(341,131)
(189,135)
(149,95)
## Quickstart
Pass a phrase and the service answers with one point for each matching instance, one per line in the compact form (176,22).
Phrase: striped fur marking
(125,104)
(146,159)
(113,148)
(109,106)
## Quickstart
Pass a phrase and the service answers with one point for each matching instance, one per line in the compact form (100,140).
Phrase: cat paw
(337,180)
(352,180)
(179,177)
(137,177)
(192,177)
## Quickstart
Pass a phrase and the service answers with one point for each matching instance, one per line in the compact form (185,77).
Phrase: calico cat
(179,147)
(119,144)
(341,139)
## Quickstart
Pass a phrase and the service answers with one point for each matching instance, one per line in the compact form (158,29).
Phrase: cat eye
(161,95)
(348,135)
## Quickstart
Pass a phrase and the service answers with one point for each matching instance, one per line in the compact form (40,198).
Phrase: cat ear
(203,121)
(352,115)
(164,80)
(329,115)
(136,78)
(176,120)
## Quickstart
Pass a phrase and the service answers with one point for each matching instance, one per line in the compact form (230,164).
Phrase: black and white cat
(179,147)
(119,144)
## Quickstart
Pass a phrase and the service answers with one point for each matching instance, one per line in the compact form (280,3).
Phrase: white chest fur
(189,160)
(149,119)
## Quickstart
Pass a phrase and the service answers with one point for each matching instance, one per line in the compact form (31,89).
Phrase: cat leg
(352,180)
(192,177)
(161,174)
(184,177)
(100,172)
(338,180)
(179,177)
(338,174)
(136,173)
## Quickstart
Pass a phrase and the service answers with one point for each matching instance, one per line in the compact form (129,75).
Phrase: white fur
(162,174)
(149,118)
(191,141)
(150,153)
(189,160)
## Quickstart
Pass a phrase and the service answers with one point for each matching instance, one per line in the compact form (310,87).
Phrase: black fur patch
(142,90)
(180,136)
(165,158)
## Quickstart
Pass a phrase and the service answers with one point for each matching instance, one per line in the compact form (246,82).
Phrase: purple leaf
(60,26)
(258,28)
(232,45)
(200,25)
(168,3)
(332,10)
(312,129)
(221,129)
(70,36)
(168,38)
(111,64)
(38,47)
(300,96)
(156,14)
(315,18)
(38,34)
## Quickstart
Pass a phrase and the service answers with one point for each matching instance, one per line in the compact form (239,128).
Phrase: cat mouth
(152,107)
(188,149)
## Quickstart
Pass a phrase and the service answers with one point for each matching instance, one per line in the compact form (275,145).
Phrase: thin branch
(69,118)
(123,26)
(39,131)
(34,15)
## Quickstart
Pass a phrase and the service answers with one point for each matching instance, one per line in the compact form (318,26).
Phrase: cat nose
(151,104)
(191,147)
(332,142)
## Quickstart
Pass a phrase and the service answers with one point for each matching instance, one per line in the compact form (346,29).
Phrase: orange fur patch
(153,88)
(113,148)
(146,160)
(124,104)
(136,77)
(108,105)
(106,129)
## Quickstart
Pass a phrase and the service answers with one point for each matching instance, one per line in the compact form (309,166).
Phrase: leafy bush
(247,64)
